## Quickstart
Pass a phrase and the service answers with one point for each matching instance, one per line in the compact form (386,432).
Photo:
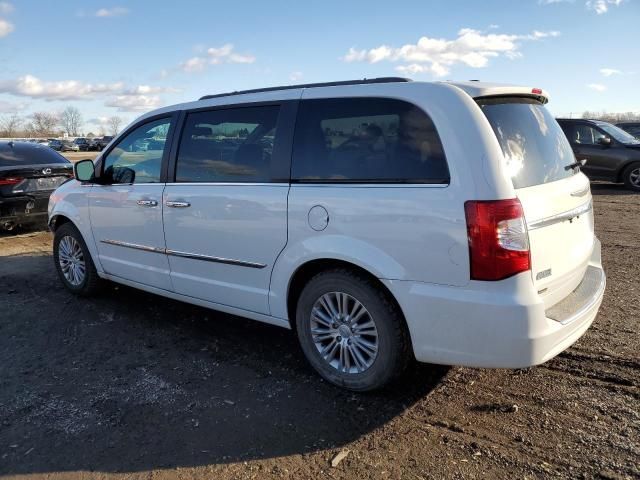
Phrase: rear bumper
(497,324)
(23,210)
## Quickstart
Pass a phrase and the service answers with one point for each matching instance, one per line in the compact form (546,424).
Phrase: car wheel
(73,261)
(631,177)
(351,332)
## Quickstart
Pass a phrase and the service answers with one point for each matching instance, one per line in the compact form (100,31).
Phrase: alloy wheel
(344,332)
(71,260)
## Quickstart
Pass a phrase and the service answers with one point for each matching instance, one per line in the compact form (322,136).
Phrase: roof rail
(311,85)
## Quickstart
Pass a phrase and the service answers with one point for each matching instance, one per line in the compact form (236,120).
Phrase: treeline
(612,117)
(50,124)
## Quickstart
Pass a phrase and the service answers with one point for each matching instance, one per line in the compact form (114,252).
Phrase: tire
(346,343)
(69,246)
(631,177)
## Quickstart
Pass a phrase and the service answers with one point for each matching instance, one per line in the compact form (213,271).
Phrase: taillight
(498,239)
(10,180)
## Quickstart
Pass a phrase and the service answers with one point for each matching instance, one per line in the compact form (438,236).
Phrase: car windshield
(619,134)
(534,147)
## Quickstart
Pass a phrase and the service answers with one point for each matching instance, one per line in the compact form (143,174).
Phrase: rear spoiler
(477,90)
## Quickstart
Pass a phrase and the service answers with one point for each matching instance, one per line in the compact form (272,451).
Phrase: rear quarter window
(534,147)
(366,140)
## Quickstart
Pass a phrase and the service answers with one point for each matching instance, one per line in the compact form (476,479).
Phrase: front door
(126,208)
(225,216)
(585,141)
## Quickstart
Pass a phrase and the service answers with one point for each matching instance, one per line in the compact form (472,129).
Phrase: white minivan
(382,220)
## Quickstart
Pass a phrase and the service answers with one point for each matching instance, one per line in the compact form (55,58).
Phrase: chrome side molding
(135,246)
(208,258)
(176,253)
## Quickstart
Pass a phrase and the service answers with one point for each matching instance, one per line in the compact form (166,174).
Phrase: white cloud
(134,103)
(118,95)
(5,27)
(111,12)
(472,48)
(602,6)
(598,6)
(6,8)
(597,87)
(194,64)
(296,76)
(607,72)
(30,86)
(149,90)
(215,56)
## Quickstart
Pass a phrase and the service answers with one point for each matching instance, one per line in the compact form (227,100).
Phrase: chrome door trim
(561,217)
(209,258)
(177,253)
(135,246)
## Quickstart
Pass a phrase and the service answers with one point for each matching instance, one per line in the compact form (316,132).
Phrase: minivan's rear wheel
(73,261)
(631,176)
(350,331)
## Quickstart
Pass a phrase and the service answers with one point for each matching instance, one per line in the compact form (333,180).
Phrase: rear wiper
(577,164)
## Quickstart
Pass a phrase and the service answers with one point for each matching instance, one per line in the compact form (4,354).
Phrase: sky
(125,58)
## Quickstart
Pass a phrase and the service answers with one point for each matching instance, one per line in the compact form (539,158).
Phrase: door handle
(147,203)
(177,204)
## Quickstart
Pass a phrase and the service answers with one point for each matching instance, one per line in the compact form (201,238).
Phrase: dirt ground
(130,385)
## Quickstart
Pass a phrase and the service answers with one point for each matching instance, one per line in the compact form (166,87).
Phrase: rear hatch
(556,198)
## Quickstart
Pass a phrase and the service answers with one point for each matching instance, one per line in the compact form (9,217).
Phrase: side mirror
(604,141)
(83,170)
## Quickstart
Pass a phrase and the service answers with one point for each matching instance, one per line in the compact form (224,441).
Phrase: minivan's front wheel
(631,177)
(73,261)
(350,331)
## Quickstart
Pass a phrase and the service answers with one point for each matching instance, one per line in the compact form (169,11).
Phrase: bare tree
(42,124)
(10,124)
(114,124)
(71,121)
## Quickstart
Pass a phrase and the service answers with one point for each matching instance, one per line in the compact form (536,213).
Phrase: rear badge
(543,274)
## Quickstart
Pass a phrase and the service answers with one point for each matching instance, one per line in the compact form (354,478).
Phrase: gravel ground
(130,385)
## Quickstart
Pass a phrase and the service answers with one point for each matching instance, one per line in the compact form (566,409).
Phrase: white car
(382,220)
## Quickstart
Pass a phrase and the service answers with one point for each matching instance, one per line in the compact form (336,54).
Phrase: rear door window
(227,145)
(534,147)
(366,140)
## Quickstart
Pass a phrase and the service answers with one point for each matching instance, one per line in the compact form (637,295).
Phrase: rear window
(534,147)
(21,154)
(366,140)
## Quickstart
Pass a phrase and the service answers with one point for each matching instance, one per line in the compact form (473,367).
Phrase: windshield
(535,148)
(619,134)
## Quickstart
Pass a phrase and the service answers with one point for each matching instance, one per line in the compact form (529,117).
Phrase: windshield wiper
(577,164)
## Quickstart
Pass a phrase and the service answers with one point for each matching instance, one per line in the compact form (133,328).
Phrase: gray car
(611,153)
